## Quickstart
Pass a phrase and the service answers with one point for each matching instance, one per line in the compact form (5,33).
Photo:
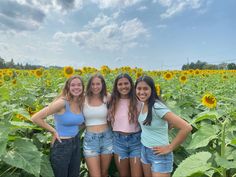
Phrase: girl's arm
(39,117)
(184,129)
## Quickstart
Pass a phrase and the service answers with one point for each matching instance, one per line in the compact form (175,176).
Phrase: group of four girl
(139,135)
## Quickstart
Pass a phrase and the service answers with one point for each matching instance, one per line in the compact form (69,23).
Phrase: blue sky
(151,34)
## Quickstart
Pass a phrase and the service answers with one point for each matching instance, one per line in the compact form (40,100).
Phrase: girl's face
(76,87)
(143,91)
(123,87)
(96,86)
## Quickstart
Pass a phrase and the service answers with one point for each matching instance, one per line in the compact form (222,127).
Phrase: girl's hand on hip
(55,137)
(161,150)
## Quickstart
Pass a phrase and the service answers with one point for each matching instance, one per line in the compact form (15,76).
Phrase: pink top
(121,118)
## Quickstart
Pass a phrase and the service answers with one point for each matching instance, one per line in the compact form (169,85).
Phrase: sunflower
(68,71)
(48,83)
(168,76)
(104,70)
(38,73)
(1,82)
(138,74)
(224,77)
(14,81)
(80,71)
(209,100)
(197,72)
(183,79)
(158,89)
(6,77)
(21,117)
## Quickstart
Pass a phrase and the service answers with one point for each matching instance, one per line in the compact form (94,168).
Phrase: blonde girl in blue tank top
(97,144)
(65,151)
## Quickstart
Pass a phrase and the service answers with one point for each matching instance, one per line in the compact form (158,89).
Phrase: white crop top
(95,115)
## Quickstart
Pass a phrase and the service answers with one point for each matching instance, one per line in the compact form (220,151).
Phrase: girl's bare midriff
(97,128)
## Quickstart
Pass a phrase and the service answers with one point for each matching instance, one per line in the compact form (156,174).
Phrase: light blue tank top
(67,124)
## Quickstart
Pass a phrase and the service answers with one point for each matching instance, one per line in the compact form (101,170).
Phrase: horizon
(153,35)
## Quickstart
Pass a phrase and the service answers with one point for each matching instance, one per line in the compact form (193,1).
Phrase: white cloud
(3,47)
(176,6)
(106,36)
(103,4)
(22,18)
(54,5)
(142,8)
(99,21)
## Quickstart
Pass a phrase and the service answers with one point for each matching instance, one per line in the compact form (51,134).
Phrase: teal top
(155,134)
(67,124)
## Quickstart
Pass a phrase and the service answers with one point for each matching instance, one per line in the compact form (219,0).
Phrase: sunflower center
(210,100)
(69,71)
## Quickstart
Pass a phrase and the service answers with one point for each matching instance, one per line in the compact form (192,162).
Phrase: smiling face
(123,87)
(96,86)
(143,91)
(76,87)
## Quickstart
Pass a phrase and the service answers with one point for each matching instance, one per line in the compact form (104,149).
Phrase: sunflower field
(204,98)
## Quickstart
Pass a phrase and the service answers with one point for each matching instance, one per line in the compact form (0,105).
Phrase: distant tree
(10,64)
(199,64)
(211,67)
(231,66)
(222,66)
(2,63)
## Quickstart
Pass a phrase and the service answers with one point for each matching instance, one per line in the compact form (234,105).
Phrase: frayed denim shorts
(127,146)
(159,163)
(97,143)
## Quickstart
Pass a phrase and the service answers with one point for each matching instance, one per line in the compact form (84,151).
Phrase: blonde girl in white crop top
(97,146)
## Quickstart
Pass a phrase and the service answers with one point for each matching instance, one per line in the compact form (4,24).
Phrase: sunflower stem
(222,153)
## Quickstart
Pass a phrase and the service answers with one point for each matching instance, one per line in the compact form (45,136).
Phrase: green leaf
(194,164)
(46,169)
(4,93)
(202,137)
(51,95)
(4,131)
(19,124)
(24,155)
(212,115)
(233,141)
(223,162)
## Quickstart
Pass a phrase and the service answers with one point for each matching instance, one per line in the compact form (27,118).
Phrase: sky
(148,34)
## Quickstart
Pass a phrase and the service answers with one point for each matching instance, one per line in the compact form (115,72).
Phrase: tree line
(198,65)
(12,64)
(204,65)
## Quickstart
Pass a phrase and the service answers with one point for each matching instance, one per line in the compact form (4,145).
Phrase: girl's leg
(147,170)
(94,166)
(160,174)
(74,165)
(136,167)
(122,166)
(60,158)
(105,160)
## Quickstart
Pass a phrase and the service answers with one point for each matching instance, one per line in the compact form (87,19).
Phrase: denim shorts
(127,146)
(159,163)
(97,143)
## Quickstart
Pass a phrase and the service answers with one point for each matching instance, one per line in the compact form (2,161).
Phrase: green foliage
(24,154)
(202,137)
(196,163)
